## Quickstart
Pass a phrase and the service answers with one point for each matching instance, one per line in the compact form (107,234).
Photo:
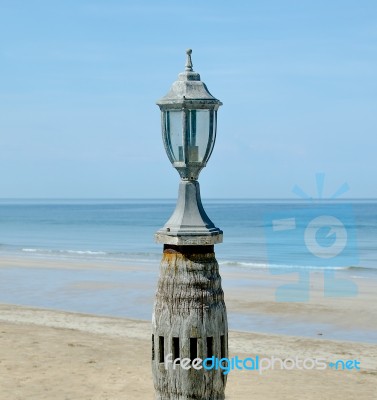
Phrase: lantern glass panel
(200,134)
(174,134)
(193,144)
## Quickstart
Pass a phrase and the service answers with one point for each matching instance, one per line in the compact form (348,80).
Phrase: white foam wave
(277,266)
(84,252)
(49,251)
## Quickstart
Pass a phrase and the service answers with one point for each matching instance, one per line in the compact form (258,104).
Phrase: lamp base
(189,223)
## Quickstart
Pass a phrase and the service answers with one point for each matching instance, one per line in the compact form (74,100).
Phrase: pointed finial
(188,61)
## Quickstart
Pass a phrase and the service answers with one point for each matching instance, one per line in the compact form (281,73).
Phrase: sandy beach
(57,355)
(60,355)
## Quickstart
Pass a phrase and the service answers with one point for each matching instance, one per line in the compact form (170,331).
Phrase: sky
(79,80)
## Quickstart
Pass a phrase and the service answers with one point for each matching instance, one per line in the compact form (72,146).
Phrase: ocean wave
(84,252)
(361,268)
(253,265)
(97,253)
(147,257)
(44,251)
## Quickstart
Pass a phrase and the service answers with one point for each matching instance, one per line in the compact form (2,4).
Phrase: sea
(277,236)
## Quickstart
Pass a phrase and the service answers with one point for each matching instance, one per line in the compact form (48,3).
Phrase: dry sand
(57,355)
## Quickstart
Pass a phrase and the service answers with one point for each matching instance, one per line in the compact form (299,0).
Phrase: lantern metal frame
(189,224)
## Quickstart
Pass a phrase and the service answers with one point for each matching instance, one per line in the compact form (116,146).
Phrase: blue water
(120,232)
(124,229)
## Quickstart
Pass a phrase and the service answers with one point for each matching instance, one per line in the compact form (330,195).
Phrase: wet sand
(115,289)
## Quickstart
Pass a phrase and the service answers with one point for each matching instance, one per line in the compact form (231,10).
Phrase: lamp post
(189,318)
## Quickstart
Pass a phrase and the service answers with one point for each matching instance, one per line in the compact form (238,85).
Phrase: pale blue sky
(79,80)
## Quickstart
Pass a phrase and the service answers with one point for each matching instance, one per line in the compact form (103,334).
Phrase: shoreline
(121,290)
(139,329)
(54,354)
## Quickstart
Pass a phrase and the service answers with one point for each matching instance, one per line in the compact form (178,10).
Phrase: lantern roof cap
(189,89)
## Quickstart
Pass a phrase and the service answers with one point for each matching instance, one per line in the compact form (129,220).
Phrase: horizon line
(175,198)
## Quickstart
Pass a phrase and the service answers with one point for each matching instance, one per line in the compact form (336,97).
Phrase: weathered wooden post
(189,318)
